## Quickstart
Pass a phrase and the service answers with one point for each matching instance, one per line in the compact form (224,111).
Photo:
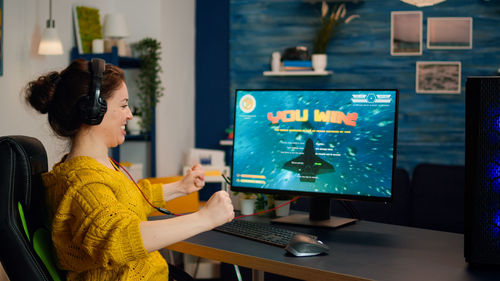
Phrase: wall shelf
(113,58)
(297,73)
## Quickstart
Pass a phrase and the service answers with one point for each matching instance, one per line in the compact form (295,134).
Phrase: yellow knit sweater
(95,214)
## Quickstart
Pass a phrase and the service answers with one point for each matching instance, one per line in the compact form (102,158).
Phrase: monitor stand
(319,215)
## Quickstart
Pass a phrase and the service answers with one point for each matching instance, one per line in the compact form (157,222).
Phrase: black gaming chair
(25,248)
(25,243)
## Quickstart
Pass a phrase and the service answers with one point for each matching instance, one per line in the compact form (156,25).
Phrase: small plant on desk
(247,202)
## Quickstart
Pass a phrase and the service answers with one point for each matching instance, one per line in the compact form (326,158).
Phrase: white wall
(169,21)
(175,111)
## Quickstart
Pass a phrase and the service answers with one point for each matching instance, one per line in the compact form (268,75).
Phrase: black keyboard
(261,232)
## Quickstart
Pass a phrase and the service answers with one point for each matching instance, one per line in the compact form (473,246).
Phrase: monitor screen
(335,143)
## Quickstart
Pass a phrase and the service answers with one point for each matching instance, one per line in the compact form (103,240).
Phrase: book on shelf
(297,65)
(296,68)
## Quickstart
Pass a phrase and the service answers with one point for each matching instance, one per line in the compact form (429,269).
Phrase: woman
(98,216)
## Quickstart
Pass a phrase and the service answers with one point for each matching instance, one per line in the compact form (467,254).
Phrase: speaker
(93,107)
(482,177)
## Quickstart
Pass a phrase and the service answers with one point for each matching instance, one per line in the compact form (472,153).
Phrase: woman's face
(112,127)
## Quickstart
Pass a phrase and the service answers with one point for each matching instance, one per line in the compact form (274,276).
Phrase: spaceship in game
(308,165)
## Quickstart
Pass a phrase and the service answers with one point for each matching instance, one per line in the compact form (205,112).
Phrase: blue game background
(366,162)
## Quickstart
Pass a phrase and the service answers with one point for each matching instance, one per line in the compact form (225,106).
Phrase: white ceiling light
(422,3)
(50,44)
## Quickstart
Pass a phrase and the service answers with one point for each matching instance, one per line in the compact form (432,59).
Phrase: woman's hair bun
(39,93)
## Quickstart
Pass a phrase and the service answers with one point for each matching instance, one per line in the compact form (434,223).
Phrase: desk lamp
(50,44)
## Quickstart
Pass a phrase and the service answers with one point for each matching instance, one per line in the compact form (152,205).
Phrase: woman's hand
(218,209)
(160,233)
(194,180)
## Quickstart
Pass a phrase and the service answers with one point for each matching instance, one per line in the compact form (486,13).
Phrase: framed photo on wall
(406,33)
(449,33)
(438,77)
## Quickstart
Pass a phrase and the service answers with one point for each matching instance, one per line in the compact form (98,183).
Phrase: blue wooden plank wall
(431,127)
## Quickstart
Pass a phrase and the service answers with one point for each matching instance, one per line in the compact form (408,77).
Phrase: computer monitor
(325,144)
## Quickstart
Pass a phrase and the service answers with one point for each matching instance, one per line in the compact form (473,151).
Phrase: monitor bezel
(320,194)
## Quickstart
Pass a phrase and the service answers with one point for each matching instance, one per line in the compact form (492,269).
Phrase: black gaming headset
(92,106)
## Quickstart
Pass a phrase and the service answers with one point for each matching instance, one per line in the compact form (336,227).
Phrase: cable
(237,271)
(228,181)
(161,210)
(269,210)
(167,212)
(350,208)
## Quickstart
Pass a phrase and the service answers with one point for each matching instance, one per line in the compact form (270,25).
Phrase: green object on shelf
(330,21)
(148,81)
(89,26)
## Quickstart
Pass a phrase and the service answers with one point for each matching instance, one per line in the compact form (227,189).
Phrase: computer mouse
(302,245)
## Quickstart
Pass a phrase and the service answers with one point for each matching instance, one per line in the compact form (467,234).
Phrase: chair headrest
(23,161)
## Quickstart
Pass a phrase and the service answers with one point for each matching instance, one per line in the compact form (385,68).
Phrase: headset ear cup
(92,107)
(84,108)
(102,107)
(92,115)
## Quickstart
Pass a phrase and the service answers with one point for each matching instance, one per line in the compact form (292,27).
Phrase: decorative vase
(319,62)
(247,206)
(133,126)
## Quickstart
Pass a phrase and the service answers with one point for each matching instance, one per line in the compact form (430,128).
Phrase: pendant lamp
(50,44)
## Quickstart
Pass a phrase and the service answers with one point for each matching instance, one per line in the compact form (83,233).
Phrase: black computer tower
(482,163)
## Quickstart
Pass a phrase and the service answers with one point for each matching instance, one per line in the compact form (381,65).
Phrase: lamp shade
(115,26)
(423,3)
(50,43)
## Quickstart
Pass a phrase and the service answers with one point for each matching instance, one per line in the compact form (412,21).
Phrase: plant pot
(133,126)
(247,206)
(284,210)
(235,200)
(319,62)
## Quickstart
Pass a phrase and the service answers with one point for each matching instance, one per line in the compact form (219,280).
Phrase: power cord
(351,209)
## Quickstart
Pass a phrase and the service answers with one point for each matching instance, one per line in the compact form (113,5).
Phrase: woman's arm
(194,180)
(161,233)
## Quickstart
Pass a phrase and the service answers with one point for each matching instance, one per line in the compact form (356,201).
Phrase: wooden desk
(361,251)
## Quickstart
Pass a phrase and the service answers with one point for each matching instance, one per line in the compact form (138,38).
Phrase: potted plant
(148,51)
(247,202)
(275,200)
(330,21)
(134,125)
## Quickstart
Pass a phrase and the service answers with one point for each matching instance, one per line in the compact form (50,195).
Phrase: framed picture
(406,33)
(438,77)
(1,37)
(88,27)
(449,33)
